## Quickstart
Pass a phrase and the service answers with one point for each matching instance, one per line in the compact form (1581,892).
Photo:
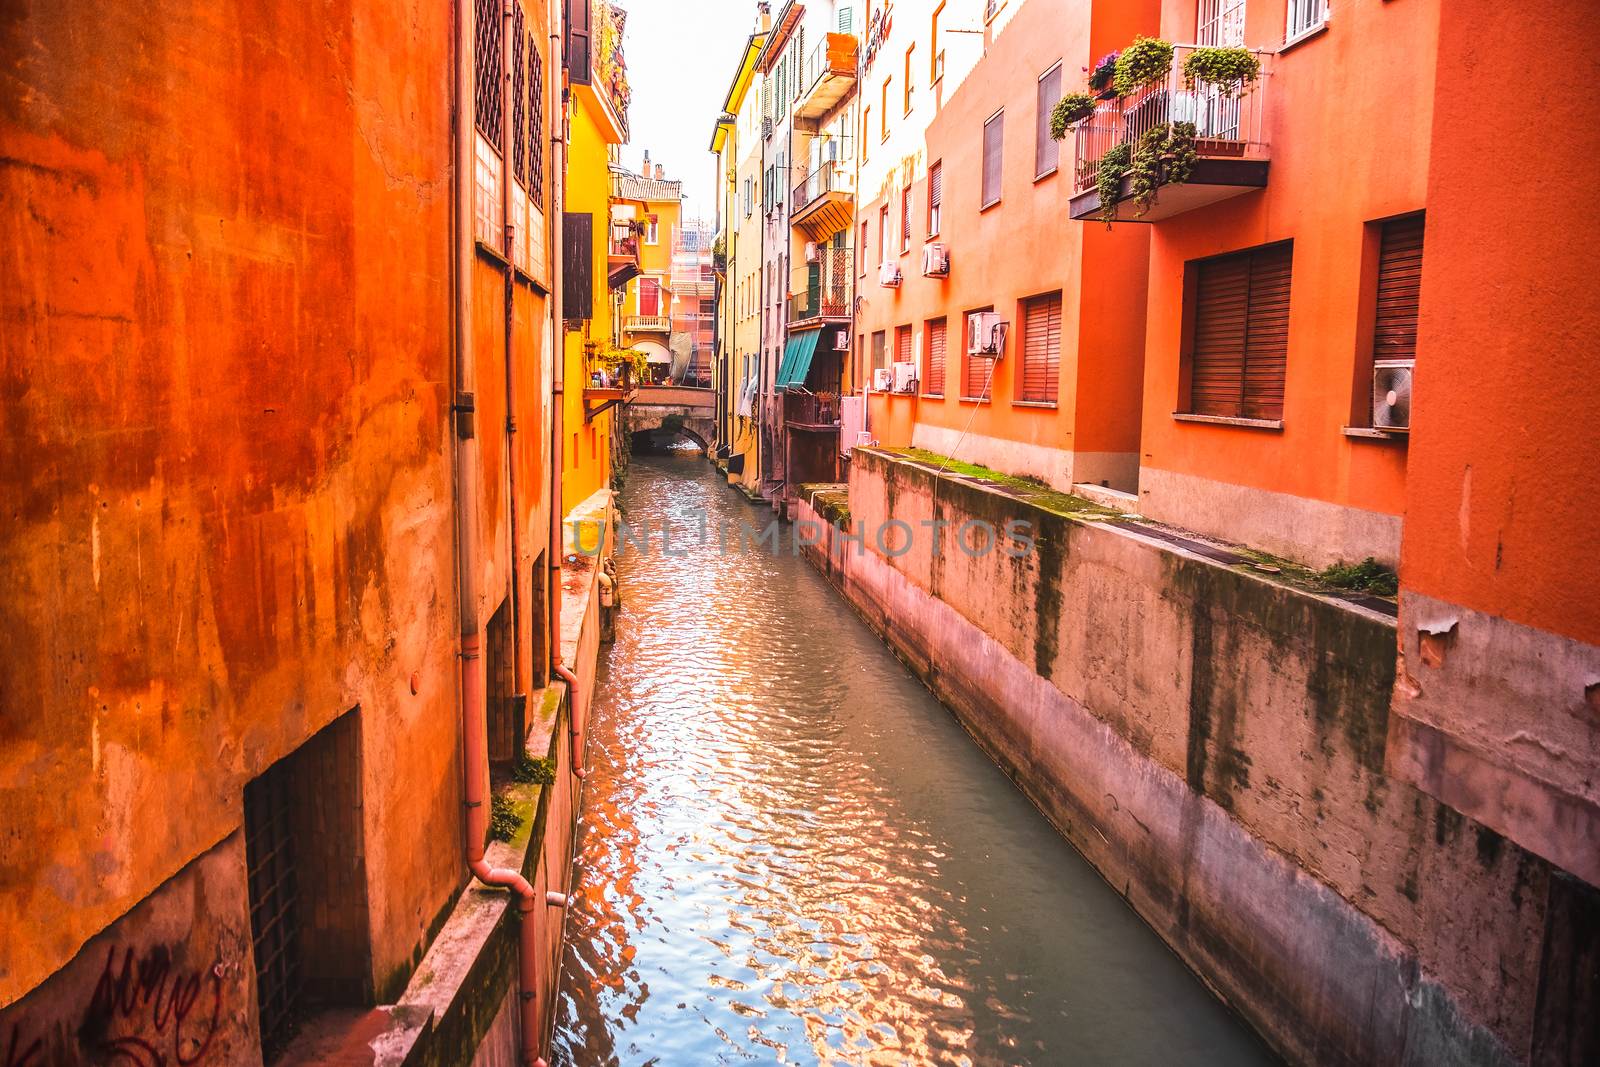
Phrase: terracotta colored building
(277,374)
(652,206)
(964,196)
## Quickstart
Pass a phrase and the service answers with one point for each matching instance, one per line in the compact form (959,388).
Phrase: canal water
(791,853)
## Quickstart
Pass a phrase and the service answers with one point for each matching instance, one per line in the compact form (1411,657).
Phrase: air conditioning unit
(936,261)
(813,252)
(882,379)
(889,275)
(905,377)
(841,340)
(1391,396)
(986,335)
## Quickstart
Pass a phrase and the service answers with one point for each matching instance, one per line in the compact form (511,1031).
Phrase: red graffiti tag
(156,1001)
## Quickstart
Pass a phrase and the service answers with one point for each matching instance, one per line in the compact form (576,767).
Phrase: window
(905,220)
(883,234)
(902,344)
(1041,349)
(936,51)
(1305,16)
(883,111)
(993,143)
(488,58)
(910,48)
(863,248)
(649,296)
(535,122)
(879,342)
(781,94)
(935,196)
(977,371)
(933,376)
(1394,325)
(1239,333)
(1219,23)
(846,20)
(652,232)
(866,130)
(1046,149)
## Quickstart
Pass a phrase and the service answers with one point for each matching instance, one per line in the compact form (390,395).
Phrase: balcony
(622,256)
(811,411)
(647,324)
(825,289)
(827,76)
(1230,144)
(824,201)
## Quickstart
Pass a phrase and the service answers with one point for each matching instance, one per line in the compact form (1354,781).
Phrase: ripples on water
(791,853)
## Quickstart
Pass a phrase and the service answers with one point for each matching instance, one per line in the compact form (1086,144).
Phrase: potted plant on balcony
(1069,111)
(1228,70)
(1146,60)
(1165,155)
(1108,172)
(1101,76)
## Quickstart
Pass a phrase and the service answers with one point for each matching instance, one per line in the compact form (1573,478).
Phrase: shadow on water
(791,853)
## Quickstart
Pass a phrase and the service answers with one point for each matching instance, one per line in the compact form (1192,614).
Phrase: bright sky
(681,55)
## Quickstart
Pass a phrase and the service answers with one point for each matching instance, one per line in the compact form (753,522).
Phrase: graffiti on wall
(144,1011)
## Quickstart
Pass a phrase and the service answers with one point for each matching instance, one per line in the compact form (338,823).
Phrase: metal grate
(535,123)
(519,94)
(488,68)
(274,920)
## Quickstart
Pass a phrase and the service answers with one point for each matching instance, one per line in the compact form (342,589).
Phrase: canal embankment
(1212,738)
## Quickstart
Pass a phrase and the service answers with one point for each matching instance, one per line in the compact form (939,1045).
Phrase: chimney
(661,172)
(764,10)
(646,170)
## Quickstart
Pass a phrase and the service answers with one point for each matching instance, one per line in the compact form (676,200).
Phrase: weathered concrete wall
(1214,743)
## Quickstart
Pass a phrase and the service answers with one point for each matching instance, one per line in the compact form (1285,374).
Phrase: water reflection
(792,854)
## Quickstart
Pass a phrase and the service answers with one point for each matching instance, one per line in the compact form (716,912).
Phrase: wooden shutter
(935,196)
(1046,149)
(1266,343)
(993,144)
(579,64)
(1240,341)
(902,344)
(1394,334)
(577,265)
(1041,348)
(933,383)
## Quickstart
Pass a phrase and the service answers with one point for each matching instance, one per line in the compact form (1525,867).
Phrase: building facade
(653,206)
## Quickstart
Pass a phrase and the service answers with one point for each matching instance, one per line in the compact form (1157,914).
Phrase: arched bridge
(665,410)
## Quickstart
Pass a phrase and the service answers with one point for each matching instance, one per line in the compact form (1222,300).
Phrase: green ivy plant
(1146,60)
(1165,154)
(504,822)
(1070,110)
(1108,179)
(1231,70)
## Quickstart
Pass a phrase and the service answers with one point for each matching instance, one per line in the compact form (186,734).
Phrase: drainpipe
(507,176)
(474,712)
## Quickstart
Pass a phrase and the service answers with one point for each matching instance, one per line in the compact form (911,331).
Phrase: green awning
(797,358)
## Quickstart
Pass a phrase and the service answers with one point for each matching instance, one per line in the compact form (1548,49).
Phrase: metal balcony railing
(831,176)
(1225,125)
(801,408)
(624,245)
(835,55)
(826,288)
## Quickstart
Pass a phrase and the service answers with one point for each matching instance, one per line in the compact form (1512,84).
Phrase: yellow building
(598,123)
(651,208)
(737,145)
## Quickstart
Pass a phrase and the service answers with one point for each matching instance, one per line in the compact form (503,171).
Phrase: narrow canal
(791,853)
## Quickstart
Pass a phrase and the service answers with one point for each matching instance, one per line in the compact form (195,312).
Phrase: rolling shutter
(905,217)
(993,144)
(1240,344)
(1041,348)
(902,344)
(935,196)
(934,383)
(1394,335)
(976,369)
(1046,149)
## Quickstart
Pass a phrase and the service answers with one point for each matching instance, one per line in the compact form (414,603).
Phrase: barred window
(519,98)
(488,68)
(535,122)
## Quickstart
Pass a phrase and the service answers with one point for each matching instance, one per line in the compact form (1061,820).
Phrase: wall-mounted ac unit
(986,335)
(889,275)
(841,340)
(936,261)
(1391,396)
(905,377)
(882,379)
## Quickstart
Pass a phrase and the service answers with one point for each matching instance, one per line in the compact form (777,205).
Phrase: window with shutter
(1394,333)
(902,344)
(488,68)
(1046,149)
(845,19)
(993,143)
(935,197)
(879,350)
(883,234)
(579,67)
(905,219)
(933,377)
(1239,339)
(1041,349)
(577,265)
(976,371)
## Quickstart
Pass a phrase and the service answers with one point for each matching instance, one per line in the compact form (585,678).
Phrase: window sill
(1368,433)
(975,400)
(1046,404)
(1052,172)
(1229,420)
(990,204)
(1303,36)
(489,252)
(933,396)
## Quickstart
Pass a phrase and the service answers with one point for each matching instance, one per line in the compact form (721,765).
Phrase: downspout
(507,176)
(474,713)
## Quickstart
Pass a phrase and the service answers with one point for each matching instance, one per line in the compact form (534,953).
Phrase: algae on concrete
(1029,490)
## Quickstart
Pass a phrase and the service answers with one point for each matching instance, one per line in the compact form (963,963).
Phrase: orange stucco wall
(1348,120)
(225,390)
(1021,247)
(1501,509)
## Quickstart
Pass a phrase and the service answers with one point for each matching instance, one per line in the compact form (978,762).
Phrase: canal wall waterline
(1213,743)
